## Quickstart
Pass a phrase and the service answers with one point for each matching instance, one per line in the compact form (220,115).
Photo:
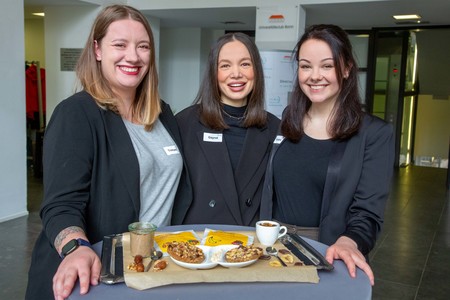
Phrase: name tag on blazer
(171,150)
(212,137)
(278,139)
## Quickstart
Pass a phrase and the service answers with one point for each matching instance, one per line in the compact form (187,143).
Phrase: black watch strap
(72,245)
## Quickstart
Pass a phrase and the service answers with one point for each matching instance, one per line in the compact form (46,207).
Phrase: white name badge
(171,150)
(212,137)
(278,139)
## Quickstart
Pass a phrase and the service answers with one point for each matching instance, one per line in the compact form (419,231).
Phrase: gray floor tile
(386,290)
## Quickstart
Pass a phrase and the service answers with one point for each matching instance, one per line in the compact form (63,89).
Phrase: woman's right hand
(82,264)
(346,250)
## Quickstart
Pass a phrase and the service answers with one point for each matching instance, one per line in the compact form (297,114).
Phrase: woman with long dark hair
(227,136)
(329,177)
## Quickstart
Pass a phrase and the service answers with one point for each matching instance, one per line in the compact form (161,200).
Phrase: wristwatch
(72,245)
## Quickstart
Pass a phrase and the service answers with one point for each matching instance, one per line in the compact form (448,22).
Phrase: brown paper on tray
(260,271)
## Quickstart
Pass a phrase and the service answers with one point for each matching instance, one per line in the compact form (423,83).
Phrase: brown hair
(146,106)
(347,112)
(208,96)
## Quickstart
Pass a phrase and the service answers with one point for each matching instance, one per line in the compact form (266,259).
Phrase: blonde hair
(146,105)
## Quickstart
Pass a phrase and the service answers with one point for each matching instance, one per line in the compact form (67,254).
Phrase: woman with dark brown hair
(328,177)
(227,136)
(111,155)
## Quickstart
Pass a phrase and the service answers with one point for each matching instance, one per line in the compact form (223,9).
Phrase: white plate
(206,264)
(220,251)
(237,264)
(214,256)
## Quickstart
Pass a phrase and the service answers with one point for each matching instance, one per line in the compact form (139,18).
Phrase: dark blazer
(221,197)
(91,180)
(356,187)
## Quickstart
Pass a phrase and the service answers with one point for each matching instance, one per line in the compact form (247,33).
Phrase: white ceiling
(363,15)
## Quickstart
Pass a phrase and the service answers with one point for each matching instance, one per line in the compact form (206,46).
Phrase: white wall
(35,37)
(207,40)
(13,187)
(179,66)
(432,127)
(155,26)
(65,27)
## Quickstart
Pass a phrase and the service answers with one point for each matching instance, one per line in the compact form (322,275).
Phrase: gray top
(160,165)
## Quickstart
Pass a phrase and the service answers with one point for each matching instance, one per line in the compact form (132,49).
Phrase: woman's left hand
(346,250)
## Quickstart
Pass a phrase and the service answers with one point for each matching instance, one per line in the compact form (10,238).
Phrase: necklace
(235,117)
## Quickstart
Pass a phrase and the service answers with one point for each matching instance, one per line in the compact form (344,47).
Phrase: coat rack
(39,87)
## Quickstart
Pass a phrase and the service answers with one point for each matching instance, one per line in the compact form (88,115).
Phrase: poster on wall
(279,75)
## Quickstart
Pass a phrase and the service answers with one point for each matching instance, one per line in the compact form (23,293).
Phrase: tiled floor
(412,256)
(411,259)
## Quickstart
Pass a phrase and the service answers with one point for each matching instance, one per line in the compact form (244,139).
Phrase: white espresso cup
(268,232)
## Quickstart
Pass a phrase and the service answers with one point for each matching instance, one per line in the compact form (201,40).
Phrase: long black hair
(347,112)
(208,96)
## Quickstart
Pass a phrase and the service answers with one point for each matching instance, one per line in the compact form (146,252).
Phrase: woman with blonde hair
(111,155)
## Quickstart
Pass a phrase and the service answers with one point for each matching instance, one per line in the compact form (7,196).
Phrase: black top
(235,135)
(299,176)
(221,195)
(356,187)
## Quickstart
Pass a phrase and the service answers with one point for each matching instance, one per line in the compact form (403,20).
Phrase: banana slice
(287,258)
(274,263)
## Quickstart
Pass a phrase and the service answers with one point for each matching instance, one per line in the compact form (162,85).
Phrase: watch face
(69,247)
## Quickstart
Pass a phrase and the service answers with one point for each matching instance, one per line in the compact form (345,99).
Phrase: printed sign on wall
(279,75)
(275,23)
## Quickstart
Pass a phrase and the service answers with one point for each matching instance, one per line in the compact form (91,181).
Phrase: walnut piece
(159,265)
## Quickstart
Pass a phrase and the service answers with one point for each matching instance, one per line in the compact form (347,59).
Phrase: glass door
(394,92)
(410,96)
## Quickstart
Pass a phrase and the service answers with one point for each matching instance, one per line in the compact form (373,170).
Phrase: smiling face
(235,74)
(124,53)
(317,72)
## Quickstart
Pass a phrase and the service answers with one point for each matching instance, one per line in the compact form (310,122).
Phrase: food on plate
(265,257)
(185,252)
(299,264)
(217,256)
(164,239)
(159,265)
(243,253)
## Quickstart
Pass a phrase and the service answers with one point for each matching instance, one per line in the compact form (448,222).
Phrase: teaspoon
(154,256)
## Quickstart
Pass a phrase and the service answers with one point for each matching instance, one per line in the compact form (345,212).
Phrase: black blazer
(221,197)
(356,187)
(91,180)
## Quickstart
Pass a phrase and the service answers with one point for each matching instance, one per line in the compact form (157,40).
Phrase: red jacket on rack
(31,88)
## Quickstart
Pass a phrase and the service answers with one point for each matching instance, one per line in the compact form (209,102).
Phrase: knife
(303,250)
